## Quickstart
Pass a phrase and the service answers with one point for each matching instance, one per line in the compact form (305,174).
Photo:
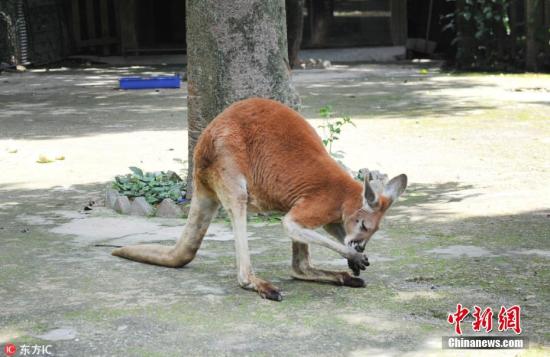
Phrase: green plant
(483,34)
(333,126)
(270,218)
(154,186)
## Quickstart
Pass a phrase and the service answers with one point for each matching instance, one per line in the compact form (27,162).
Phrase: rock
(172,176)
(169,209)
(140,207)
(377,180)
(110,197)
(59,334)
(122,205)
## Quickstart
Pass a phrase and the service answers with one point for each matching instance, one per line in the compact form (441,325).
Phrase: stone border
(140,207)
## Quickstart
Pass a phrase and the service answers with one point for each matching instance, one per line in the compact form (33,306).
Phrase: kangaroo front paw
(358,262)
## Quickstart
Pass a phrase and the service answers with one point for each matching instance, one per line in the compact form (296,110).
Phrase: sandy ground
(473,227)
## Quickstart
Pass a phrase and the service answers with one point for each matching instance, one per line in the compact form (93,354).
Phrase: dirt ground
(472,228)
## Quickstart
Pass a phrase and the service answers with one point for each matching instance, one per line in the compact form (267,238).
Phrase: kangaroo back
(280,156)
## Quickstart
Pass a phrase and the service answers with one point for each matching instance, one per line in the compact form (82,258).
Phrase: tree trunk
(235,50)
(320,15)
(533,21)
(398,22)
(511,44)
(295,27)
(128,31)
(547,32)
(464,33)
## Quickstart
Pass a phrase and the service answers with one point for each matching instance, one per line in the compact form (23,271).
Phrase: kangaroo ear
(395,187)
(369,193)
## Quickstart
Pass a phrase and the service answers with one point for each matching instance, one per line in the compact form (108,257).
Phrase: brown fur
(282,158)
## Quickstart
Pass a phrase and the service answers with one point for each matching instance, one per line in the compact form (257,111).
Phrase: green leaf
(136,170)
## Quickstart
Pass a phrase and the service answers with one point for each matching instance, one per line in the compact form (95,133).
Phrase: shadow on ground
(420,270)
(86,101)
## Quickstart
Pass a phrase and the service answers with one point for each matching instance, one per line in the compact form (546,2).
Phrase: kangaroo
(260,155)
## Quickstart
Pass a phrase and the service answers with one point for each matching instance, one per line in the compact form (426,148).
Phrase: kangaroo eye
(363,226)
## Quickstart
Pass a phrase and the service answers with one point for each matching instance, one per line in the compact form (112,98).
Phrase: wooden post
(127,16)
(294,25)
(320,15)
(76,23)
(90,21)
(512,10)
(464,31)
(104,16)
(547,27)
(398,22)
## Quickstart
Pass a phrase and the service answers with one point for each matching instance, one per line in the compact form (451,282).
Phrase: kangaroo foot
(353,282)
(264,288)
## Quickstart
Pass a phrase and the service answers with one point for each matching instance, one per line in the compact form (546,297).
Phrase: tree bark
(128,30)
(533,21)
(235,50)
(398,22)
(320,14)
(295,27)
(547,32)
(465,33)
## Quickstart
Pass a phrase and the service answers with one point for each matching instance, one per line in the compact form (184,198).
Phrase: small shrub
(154,186)
(333,126)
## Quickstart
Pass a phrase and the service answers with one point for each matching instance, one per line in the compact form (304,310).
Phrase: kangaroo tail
(202,211)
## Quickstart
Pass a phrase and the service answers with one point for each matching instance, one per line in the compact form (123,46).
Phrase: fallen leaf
(43,159)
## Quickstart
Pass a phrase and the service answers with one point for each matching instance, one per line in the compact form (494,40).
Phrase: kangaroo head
(363,223)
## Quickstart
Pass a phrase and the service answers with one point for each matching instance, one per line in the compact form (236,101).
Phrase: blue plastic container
(150,82)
